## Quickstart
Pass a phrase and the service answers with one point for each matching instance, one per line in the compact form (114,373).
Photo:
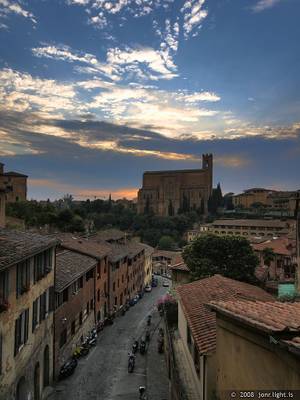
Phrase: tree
(268,255)
(216,200)
(230,256)
(166,243)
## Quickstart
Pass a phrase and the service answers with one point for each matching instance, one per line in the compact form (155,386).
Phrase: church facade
(167,193)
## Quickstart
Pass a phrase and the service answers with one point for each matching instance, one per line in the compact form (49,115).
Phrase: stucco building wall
(82,302)
(247,361)
(22,365)
(204,380)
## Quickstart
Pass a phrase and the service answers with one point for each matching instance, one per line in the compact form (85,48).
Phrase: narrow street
(102,375)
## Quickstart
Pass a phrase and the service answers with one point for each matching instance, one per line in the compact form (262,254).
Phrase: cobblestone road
(102,375)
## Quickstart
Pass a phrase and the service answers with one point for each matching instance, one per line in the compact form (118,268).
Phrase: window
(4,287)
(116,301)
(114,286)
(75,287)
(92,304)
(98,271)
(98,295)
(65,295)
(196,360)
(23,277)
(63,338)
(21,330)
(1,339)
(80,318)
(89,275)
(73,327)
(80,282)
(105,291)
(189,337)
(35,314)
(42,264)
(43,306)
(105,263)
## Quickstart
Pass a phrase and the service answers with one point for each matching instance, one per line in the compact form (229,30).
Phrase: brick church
(167,193)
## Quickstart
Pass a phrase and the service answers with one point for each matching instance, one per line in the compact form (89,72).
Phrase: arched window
(21,392)
(46,378)
(37,382)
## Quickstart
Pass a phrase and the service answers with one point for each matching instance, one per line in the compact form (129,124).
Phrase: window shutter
(26,325)
(51,299)
(16,336)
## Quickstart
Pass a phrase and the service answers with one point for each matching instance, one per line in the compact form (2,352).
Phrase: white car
(148,288)
(165,283)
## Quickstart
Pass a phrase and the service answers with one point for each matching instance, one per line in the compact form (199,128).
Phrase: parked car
(148,288)
(165,283)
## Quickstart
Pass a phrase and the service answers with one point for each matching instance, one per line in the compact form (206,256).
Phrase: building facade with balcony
(27,263)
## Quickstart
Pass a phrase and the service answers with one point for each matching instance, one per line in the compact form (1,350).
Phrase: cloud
(262,5)
(193,15)
(144,63)
(65,53)
(21,92)
(159,63)
(13,7)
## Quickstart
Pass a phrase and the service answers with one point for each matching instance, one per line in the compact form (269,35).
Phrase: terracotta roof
(13,173)
(175,256)
(270,317)
(202,321)
(94,248)
(148,249)
(70,265)
(252,222)
(16,246)
(119,251)
(110,234)
(283,246)
(293,345)
(181,267)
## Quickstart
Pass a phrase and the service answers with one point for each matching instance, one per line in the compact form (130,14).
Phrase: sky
(95,92)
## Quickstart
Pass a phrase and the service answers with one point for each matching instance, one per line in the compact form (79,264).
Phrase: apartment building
(263,339)
(99,250)
(27,263)
(195,344)
(250,228)
(75,302)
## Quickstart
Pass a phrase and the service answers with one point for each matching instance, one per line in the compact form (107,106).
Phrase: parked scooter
(143,346)
(81,351)
(147,336)
(142,393)
(99,326)
(135,346)
(149,320)
(108,321)
(131,362)
(68,368)
(160,345)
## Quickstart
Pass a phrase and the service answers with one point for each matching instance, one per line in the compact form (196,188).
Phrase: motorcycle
(147,336)
(131,362)
(143,347)
(142,393)
(135,346)
(99,326)
(68,368)
(149,320)
(81,351)
(160,345)
(108,321)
